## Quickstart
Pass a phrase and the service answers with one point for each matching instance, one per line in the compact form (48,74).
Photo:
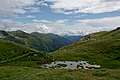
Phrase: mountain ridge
(39,41)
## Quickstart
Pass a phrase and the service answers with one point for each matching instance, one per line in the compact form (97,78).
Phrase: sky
(75,17)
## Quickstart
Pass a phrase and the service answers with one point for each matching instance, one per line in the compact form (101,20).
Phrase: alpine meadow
(59,39)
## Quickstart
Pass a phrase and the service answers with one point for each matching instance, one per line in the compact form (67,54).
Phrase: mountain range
(39,41)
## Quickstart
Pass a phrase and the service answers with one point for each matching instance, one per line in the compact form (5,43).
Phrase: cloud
(84,6)
(12,7)
(40,21)
(30,16)
(63,27)
(32,9)
(94,25)
(82,26)
(110,22)
(10,25)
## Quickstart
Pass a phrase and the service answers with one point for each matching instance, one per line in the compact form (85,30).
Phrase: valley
(59,39)
(21,62)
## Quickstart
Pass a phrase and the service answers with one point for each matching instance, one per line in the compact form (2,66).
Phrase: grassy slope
(101,47)
(6,36)
(25,73)
(10,50)
(16,54)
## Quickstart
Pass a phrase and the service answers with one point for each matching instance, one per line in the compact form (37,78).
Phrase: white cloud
(12,7)
(82,26)
(20,11)
(33,9)
(110,22)
(30,16)
(62,27)
(40,21)
(94,25)
(10,25)
(85,6)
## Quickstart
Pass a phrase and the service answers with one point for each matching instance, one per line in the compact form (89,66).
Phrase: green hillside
(16,54)
(38,41)
(46,42)
(6,36)
(101,47)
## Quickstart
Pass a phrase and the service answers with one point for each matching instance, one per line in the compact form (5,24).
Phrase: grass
(9,50)
(102,48)
(26,73)
(18,55)
(18,63)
